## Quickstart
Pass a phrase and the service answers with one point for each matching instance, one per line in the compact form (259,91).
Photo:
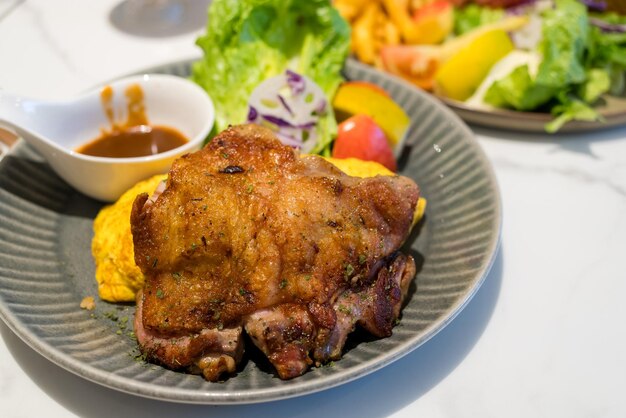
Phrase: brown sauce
(134,137)
(134,141)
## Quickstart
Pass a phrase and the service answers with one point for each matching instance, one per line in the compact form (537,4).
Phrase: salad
(556,56)
(278,63)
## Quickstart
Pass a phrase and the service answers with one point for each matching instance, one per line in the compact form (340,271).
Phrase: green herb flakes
(349,270)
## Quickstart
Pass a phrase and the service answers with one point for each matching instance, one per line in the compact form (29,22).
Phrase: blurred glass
(159,18)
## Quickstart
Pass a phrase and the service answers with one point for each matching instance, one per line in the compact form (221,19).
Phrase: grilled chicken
(249,235)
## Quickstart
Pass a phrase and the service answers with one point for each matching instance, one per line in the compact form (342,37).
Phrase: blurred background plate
(46,267)
(612,109)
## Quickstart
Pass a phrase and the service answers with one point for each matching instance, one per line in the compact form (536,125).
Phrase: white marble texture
(544,336)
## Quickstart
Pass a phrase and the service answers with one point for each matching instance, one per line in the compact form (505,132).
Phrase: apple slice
(369,85)
(358,97)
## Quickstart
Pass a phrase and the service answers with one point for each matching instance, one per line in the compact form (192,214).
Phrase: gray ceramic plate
(612,109)
(46,266)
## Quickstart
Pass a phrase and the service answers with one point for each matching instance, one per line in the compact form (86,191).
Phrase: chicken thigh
(247,234)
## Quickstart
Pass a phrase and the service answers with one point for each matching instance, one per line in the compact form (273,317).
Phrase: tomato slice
(360,137)
(415,63)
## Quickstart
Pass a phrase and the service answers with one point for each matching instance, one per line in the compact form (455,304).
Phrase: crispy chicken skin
(249,234)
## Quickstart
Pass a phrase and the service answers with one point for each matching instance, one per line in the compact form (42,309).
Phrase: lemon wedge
(461,75)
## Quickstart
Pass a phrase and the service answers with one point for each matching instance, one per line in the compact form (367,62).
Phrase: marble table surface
(543,337)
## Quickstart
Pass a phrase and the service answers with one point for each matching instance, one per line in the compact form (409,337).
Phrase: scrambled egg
(119,278)
(117,275)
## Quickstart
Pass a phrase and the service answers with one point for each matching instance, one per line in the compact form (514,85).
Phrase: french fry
(398,11)
(363,34)
(418,4)
(349,9)
(386,32)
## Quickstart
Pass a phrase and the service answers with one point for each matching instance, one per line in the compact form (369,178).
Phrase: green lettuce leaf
(598,82)
(565,33)
(568,79)
(519,91)
(248,41)
(473,16)
(572,109)
(607,50)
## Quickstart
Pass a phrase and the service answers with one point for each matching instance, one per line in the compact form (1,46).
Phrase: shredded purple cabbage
(321,108)
(606,26)
(599,5)
(307,125)
(296,82)
(282,101)
(289,139)
(277,121)
(292,115)
(252,114)
(282,123)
